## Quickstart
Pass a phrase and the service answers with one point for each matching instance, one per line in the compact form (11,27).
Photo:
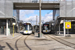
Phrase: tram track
(62,41)
(16,43)
(26,43)
(21,43)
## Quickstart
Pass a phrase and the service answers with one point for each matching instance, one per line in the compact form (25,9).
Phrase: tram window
(25,27)
(46,27)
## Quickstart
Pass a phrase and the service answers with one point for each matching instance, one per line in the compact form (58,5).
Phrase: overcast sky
(30,15)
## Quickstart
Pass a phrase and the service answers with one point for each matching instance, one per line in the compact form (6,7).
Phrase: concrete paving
(46,44)
(33,43)
(36,36)
(69,39)
(10,36)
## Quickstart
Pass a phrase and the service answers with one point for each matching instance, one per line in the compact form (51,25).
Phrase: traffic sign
(68,25)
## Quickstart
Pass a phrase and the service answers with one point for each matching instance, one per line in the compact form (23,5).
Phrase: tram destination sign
(68,25)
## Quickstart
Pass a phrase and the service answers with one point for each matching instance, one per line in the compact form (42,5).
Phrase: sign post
(13,28)
(68,26)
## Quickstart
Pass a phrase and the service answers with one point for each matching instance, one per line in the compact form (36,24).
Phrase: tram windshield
(27,27)
(46,27)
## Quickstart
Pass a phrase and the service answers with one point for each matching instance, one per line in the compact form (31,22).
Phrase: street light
(40,16)
(13,28)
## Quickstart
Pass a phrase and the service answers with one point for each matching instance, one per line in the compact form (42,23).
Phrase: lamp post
(40,16)
(13,28)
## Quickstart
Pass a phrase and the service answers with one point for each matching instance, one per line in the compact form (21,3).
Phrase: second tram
(46,28)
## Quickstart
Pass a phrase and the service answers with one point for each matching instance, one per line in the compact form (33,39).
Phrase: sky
(30,15)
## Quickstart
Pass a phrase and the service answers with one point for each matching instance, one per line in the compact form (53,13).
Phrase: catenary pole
(40,16)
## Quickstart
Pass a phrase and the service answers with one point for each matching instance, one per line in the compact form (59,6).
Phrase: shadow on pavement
(9,46)
(1,47)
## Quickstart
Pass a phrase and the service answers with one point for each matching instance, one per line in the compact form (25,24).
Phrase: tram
(27,28)
(46,28)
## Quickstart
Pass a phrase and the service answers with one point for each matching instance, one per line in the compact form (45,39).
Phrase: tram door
(2,30)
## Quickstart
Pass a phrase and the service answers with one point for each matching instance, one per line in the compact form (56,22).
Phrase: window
(46,27)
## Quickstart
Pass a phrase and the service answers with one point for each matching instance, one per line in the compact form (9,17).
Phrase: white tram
(27,28)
